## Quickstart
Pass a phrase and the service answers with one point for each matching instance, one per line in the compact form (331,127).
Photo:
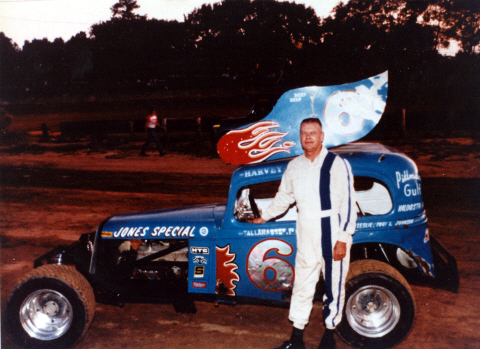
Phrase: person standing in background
(151,126)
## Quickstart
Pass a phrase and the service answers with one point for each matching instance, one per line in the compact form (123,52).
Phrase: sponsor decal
(203,231)
(199,271)
(427,236)
(173,231)
(131,232)
(269,232)
(397,224)
(200,260)
(262,171)
(199,250)
(405,176)
(373,225)
(160,231)
(226,271)
(410,207)
(197,284)
(408,188)
(404,222)
(297,97)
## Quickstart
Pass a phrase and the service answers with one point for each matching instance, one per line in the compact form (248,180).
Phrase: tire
(371,283)
(51,294)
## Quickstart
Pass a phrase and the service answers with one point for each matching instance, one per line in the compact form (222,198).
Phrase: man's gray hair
(312,120)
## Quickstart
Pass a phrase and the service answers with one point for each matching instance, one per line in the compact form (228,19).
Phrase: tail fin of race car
(347,112)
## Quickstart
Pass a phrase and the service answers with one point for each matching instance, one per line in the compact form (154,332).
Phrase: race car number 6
(267,271)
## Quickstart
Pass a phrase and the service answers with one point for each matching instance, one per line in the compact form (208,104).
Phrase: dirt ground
(51,193)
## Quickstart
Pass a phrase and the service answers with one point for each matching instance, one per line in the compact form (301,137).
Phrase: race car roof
(362,147)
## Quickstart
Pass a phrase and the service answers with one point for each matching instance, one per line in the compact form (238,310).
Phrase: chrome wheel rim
(46,314)
(373,311)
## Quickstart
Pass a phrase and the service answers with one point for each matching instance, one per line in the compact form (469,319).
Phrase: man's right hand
(258,220)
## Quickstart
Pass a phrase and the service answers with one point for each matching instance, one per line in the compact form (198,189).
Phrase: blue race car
(212,253)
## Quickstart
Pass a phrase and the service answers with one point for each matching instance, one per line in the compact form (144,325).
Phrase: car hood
(197,221)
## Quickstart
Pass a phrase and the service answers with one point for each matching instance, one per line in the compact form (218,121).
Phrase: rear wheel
(379,306)
(52,306)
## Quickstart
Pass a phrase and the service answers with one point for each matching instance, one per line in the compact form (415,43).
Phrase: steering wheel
(254,206)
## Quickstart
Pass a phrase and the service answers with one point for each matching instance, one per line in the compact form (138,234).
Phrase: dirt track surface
(51,197)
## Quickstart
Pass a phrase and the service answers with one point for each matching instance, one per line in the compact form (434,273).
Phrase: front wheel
(52,307)
(379,306)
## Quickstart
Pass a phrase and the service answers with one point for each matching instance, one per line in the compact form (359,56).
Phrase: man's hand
(258,220)
(339,251)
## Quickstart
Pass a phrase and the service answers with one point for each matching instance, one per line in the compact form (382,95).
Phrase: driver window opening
(252,200)
(373,197)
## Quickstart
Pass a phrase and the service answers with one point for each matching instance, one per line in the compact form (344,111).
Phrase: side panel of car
(412,243)
(202,265)
(258,264)
(255,260)
(399,218)
(390,198)
(400,176)
(226,255)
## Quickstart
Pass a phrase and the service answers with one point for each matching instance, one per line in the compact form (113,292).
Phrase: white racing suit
(325,198)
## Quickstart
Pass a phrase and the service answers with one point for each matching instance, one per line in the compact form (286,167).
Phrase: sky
(22,20)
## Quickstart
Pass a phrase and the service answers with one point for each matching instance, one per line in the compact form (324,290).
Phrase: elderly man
(321,184)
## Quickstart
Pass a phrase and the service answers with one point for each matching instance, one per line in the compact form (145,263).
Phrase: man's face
(311,137)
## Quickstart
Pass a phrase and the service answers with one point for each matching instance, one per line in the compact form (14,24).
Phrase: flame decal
(226,273)
(254,143)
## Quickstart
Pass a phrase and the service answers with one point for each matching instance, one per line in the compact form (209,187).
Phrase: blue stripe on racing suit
(326,204)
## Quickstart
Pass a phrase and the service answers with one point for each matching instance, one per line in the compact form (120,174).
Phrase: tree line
(264,45)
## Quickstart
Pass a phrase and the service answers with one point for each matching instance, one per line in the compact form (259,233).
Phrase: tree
(123,9)
(10,67)
(461,23)
(263,38)
(46,62)
(427,25)
(139,49)
(79,56)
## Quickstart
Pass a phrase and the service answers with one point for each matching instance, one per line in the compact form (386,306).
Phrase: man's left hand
(339,251)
